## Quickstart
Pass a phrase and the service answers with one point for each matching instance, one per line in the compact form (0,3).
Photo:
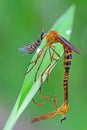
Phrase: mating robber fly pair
(52,38)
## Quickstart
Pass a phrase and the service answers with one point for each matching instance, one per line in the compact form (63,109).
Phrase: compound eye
(43,35)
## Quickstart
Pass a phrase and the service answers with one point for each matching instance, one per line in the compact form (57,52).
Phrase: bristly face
(52,37)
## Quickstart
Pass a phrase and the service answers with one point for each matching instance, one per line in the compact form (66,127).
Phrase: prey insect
(54,37)
(32,47)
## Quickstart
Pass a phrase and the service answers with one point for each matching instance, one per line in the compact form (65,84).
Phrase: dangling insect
(53,37)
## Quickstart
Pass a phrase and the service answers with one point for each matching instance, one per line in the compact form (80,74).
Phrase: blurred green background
(21,22)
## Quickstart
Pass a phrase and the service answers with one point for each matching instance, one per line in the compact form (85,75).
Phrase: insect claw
(63,118)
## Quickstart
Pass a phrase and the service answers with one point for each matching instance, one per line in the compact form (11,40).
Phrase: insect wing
(22,49)
(27,48)
(67,43)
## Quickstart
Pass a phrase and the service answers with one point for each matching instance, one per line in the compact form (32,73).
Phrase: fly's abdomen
(67,59)
(67,64)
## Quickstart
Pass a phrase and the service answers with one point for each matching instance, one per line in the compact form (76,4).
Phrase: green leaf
(29,89)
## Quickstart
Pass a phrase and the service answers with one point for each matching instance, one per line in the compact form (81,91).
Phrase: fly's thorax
(52,37)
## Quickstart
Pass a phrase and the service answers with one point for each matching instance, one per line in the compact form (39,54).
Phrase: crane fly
(52,38)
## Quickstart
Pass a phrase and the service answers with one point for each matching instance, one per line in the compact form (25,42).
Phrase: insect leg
(49,67)
(41,79)
(44,117)
(53,99)
(40,64)
(52,58)
(49,115)
(50,54)
(64,107)
(53,48)
(35,61)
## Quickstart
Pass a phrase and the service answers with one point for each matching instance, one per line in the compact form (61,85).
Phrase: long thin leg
(51,58)
(35,61)
(44,117)
(64,107)
(40,64)
(53,99)
(53,48)
(53,52)
(41,79)
(48,69)
(40,89)
(50,55)
(41,95)
(61,110)
(43,74)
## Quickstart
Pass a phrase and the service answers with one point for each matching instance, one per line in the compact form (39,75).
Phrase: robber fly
(52,38)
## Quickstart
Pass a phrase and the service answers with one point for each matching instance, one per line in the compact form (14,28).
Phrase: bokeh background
(21,22)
